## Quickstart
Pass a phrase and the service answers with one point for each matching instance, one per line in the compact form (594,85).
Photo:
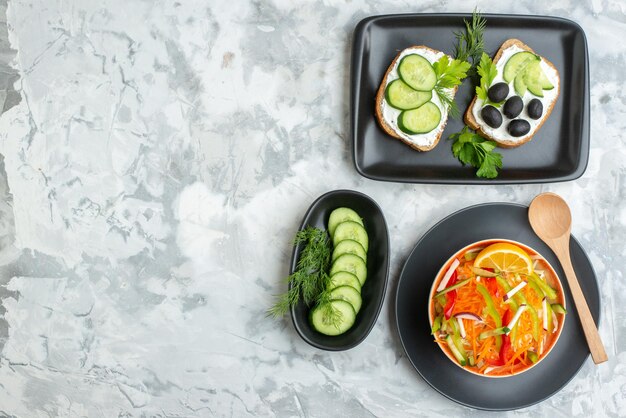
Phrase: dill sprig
(309,280)
(470,43)
(448,101)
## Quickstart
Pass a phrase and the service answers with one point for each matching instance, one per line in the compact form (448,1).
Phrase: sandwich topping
(391,114)
(521,87)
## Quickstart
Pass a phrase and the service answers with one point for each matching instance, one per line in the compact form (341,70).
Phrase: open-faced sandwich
(416,95)
(517,94)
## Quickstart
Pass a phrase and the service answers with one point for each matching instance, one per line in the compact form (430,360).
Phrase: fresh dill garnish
(470,44)
(310,278)
(449,75)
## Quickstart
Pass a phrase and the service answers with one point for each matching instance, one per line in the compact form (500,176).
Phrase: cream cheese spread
(390,114)
(549,96)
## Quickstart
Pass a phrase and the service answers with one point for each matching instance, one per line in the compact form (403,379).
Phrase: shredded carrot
(468,299)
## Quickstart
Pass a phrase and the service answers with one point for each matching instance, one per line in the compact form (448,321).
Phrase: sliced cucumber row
(348,273)
(412,93)
(524,69)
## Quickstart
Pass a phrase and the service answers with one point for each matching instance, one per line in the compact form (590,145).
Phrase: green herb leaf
(487,72)
(476,151)
(449,75)
(492,161)
(310,278)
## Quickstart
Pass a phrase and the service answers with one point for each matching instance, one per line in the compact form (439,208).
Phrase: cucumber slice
(535,73)
(322,322)
(343,278)
(403,97)
(520,86)
(352,264)
(545,82)
(531,78)
(348,246)
(536,79)
(516,64)
(340,215)
(350,230)
(349,294)
(455,351)
(421,120)
(417,72)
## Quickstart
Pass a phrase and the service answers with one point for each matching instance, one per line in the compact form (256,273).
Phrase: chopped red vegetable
(492,286)
(506,351)
(450,300)
(450,297)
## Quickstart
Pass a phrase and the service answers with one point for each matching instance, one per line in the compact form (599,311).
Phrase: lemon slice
(504,257)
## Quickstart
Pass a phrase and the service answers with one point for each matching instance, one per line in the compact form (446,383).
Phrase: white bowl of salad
(496,308)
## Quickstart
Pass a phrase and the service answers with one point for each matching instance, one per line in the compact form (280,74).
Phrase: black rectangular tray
(558,152)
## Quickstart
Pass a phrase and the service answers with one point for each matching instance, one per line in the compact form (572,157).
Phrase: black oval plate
(492,220)
(373,291)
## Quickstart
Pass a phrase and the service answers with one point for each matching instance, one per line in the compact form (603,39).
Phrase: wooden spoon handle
(589,327)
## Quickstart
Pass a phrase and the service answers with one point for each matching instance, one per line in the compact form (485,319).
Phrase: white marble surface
(159,161)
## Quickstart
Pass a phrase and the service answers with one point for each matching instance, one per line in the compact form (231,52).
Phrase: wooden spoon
(551,220)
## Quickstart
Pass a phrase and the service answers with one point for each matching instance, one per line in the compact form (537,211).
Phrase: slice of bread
(389,126)
(505,140)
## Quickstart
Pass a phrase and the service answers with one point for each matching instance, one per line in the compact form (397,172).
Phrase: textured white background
(159,163)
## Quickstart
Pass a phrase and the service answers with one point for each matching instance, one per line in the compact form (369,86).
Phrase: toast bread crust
(380,96)
(505,143)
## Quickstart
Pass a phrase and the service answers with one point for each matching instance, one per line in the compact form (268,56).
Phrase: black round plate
(492,220)
(373,291)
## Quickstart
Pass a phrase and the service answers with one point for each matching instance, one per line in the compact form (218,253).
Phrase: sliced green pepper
(444,325)
(507,288)
(549,292)
(482,272)
(536,289)
(532,356)
(436,325)
(534,316)
(549,313)
(493,333)
(491,311)
(471,256)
